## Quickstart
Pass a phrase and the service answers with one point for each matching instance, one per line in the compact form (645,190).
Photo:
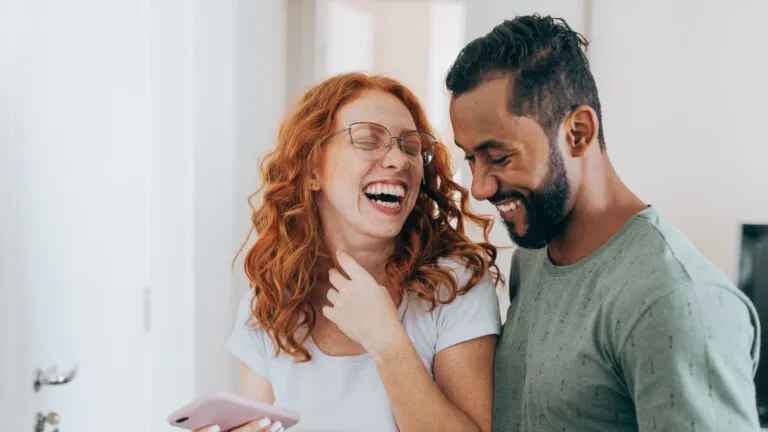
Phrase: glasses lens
(419,147)
(372,141)
(368,138)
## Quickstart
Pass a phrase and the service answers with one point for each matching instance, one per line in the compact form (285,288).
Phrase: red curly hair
(289,257)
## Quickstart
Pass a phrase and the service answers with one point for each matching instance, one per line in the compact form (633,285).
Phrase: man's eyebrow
(490,144)
(485,145)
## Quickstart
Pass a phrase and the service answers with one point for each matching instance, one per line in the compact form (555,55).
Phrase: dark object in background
(753,280)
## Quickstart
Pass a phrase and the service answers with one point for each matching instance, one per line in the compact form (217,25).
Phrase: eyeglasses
(373,141)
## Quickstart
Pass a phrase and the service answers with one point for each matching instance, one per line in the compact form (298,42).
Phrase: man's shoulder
(528,260)
(653,254)
(663,265)
(648,259)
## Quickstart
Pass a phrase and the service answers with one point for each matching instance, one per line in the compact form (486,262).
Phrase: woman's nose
(395,157)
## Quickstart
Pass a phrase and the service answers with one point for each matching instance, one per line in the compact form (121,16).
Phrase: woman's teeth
(386,203)
(385,194)
(385,188)
(506,207)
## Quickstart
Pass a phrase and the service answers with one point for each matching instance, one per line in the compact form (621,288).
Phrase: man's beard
(544,209)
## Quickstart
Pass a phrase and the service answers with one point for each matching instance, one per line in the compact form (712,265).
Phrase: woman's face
(363,191)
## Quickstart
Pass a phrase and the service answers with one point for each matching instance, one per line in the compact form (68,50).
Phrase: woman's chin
(383,232)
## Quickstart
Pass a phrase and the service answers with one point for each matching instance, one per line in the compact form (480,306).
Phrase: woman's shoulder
(247,323)
(462,274)
(244,315)
(247,341)
(472,313)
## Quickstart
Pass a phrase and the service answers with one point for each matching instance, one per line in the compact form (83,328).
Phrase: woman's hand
(362,308)
(260,425)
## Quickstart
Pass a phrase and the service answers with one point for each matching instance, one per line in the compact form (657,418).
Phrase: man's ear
(581,129)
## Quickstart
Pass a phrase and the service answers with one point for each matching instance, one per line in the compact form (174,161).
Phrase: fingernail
(276,426)
(214,428)
(264,422)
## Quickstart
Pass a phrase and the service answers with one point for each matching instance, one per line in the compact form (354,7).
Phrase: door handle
(52,378)
(40,420)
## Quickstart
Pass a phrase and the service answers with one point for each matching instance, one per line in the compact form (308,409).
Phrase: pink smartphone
(228,411)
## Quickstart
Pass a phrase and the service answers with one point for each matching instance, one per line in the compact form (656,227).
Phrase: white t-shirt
(345,393)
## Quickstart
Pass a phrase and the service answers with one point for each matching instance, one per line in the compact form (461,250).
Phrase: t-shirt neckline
(561,270)
(318,353)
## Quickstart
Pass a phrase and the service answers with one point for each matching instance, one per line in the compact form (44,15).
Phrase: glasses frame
(388,146)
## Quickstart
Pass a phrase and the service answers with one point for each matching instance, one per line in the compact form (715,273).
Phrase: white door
(74,212)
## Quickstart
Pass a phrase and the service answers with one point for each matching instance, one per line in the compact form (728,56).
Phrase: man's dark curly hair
(546,61)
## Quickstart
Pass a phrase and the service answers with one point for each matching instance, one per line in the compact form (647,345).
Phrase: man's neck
(603,207)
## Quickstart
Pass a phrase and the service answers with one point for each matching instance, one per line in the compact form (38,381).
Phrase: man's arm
(689,361)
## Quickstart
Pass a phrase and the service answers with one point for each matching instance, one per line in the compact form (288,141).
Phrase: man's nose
(484,185)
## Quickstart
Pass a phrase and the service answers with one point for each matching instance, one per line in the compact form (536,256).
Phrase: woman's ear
(314,181)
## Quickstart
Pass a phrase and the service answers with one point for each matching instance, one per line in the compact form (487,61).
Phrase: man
(617,322)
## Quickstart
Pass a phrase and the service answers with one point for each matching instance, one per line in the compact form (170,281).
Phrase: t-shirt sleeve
(469,316)
(247,343)
(689,361)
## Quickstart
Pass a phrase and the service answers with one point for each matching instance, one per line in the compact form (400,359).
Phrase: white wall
(217,97)
(213,201)
(238,99)
(304,52)
(484,15)
(392,37)
(260,105)
(401,43)
(684,102)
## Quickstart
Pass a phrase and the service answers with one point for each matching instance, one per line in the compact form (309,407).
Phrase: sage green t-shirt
(644,334)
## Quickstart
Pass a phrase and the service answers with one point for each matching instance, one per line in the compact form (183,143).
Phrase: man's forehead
(482,114)
(491,95)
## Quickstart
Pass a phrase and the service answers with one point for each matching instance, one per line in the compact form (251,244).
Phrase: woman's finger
(209,428)
(328,311)
(332,295)
(260,425)
(336,279)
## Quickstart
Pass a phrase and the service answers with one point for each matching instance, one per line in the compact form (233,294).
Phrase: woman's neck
(372,255)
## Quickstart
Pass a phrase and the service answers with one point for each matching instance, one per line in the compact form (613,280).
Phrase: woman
(371,309)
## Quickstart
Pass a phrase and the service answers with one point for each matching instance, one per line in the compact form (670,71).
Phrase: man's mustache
(501,196)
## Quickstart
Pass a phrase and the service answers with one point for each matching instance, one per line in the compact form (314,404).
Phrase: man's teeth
(385,188)
(512,205)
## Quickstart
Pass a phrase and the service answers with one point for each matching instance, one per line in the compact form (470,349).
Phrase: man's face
(514,164)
